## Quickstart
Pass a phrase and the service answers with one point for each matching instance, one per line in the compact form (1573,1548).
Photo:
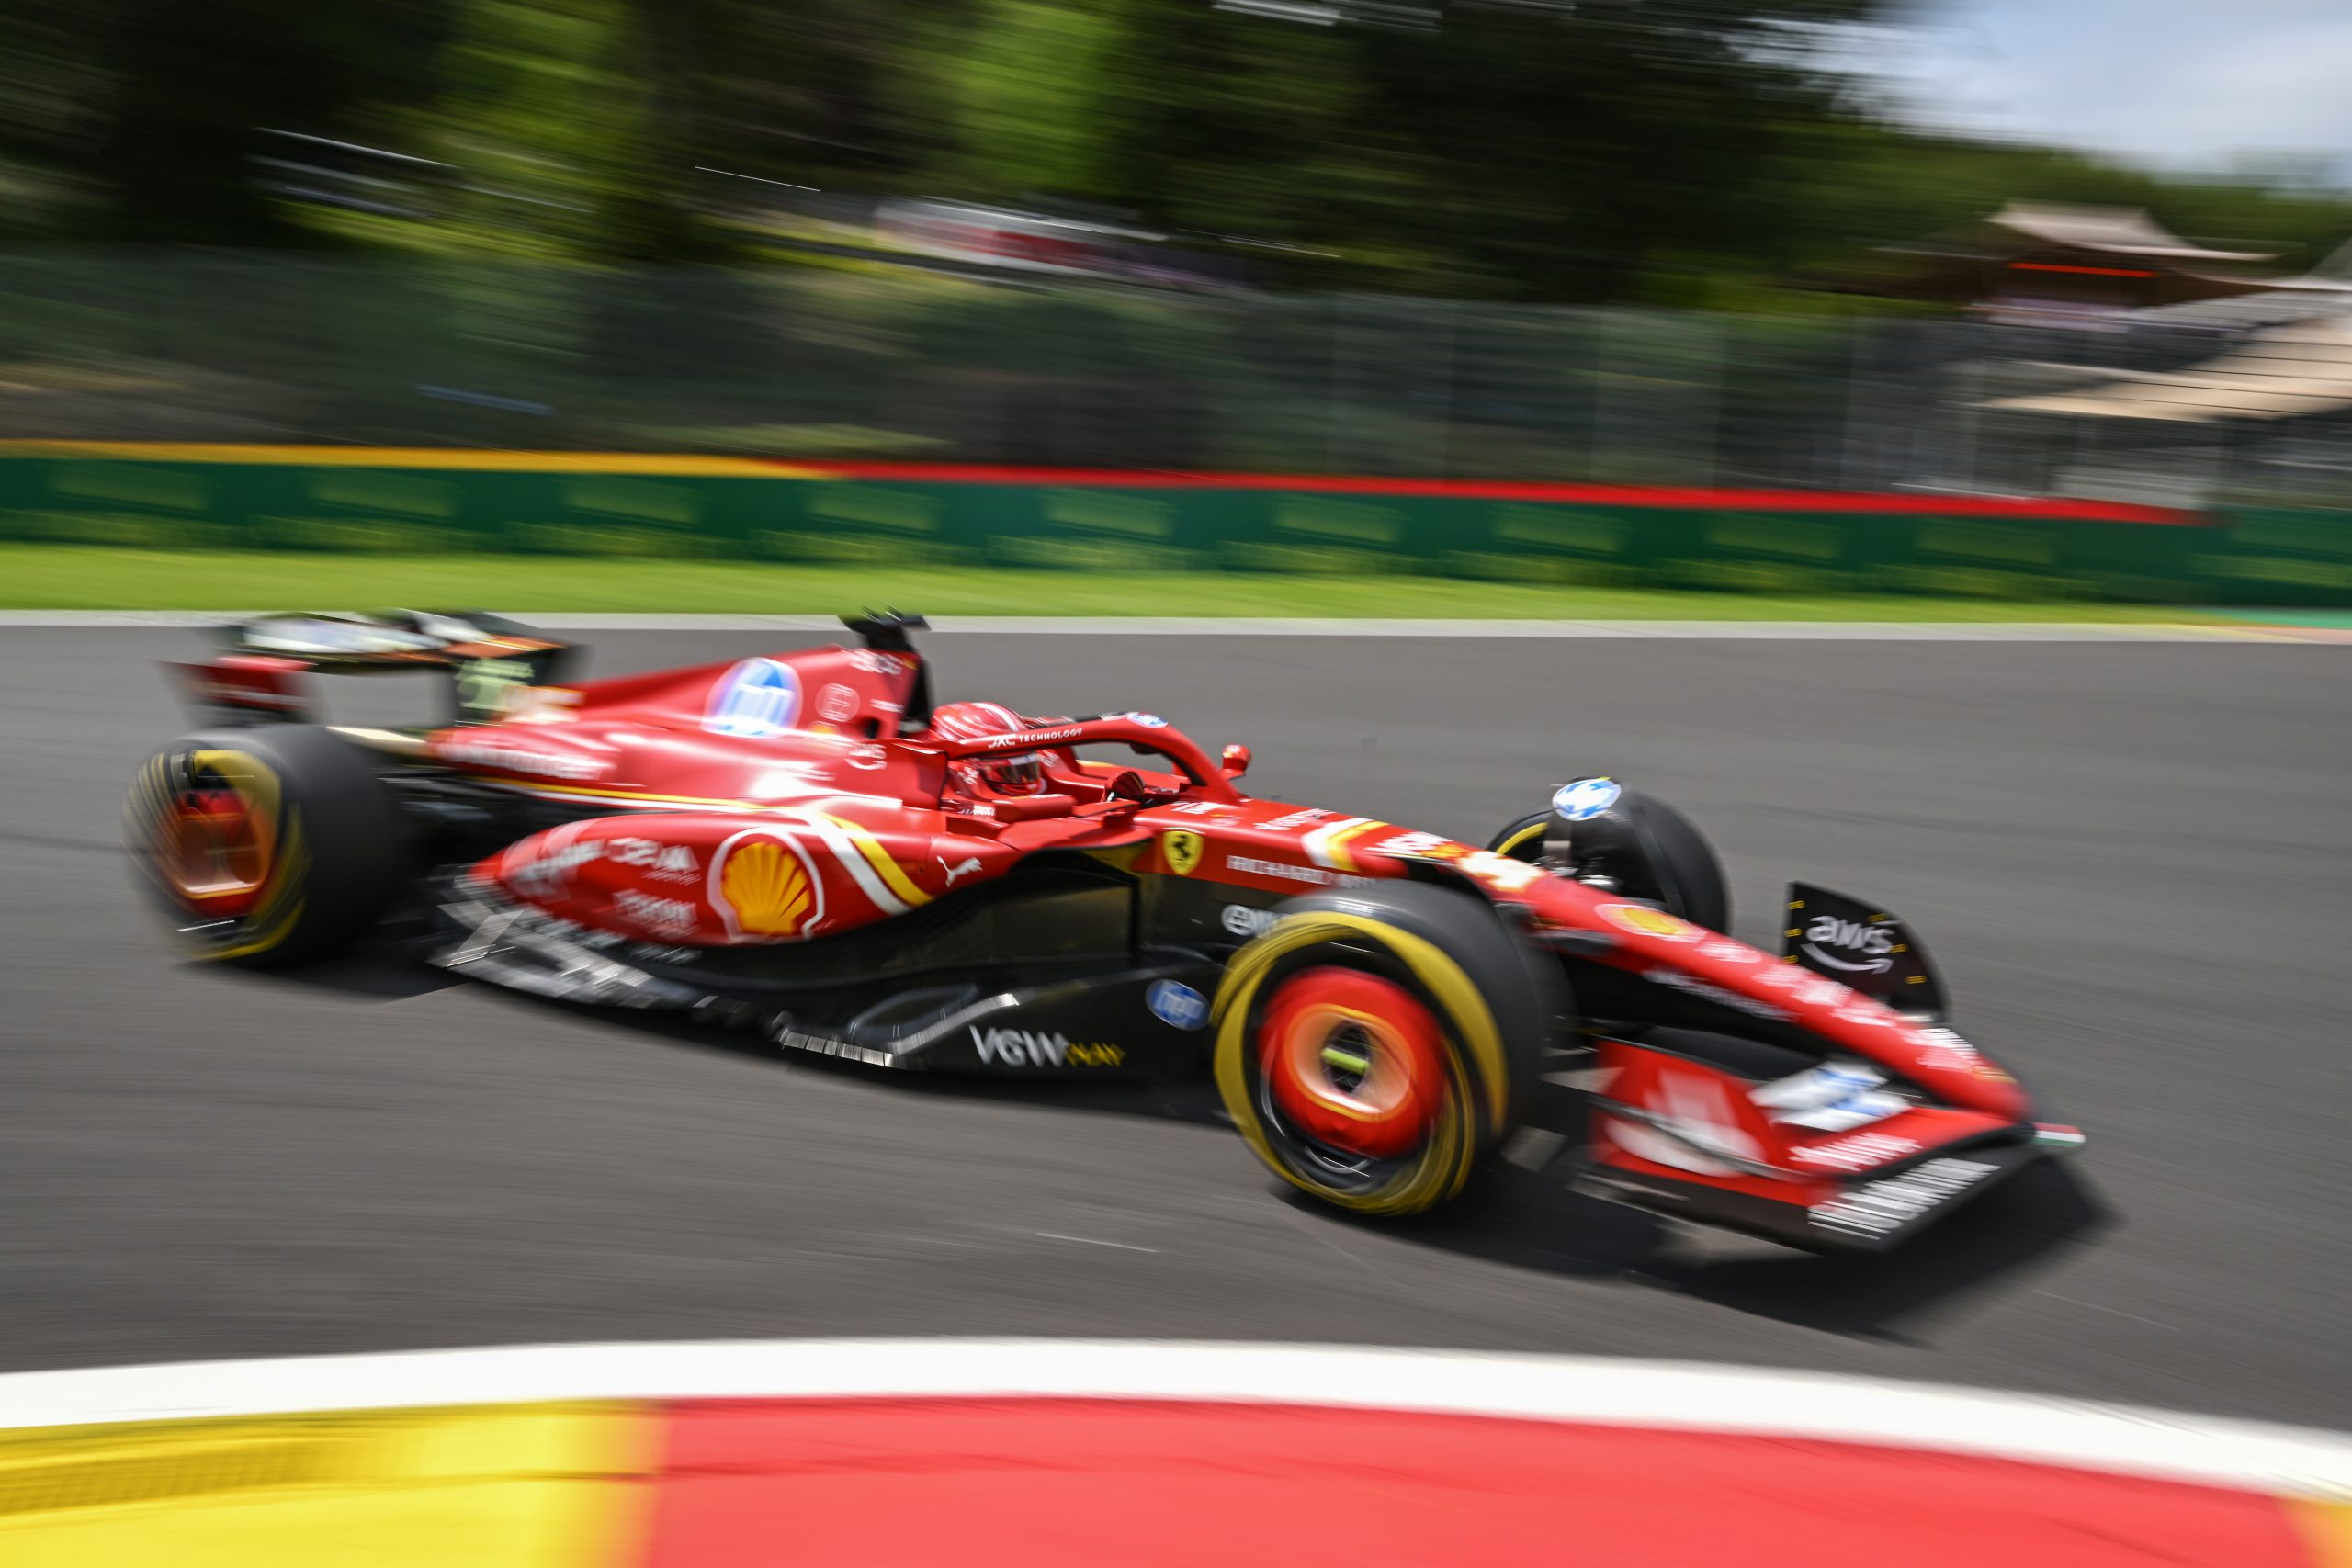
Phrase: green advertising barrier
(1784,543)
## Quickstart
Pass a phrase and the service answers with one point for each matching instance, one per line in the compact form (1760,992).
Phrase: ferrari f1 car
(801,843)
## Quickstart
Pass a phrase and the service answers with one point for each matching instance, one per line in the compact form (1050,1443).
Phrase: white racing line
(1243,626)
(1688,1397)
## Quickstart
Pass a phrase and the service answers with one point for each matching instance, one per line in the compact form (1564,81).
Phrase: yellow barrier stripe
(520,1486)
(452,459)
(2326,1530)
(880,859)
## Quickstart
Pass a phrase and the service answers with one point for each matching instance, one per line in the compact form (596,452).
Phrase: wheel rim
(214,848)
(219,851)
(1353,1062)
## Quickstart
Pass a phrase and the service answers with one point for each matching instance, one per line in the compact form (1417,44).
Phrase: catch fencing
(863,361)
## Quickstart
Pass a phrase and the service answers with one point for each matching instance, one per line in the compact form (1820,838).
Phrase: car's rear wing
(257,674)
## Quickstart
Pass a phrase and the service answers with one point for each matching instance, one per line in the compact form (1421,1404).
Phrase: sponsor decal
(783,780)
(1785,977)
(520,760)
(1871,944)
(1034,1048)
(874,663)
(1855,1153)
(1831,1097)
(1328,845)
(1585,799)
(1878,1207)
(1722,996)
(868,758)
(960,869)
(1244,921)
(1943,1049)
(762,886)
(1724,950)
(547,874)
(1693,1107)
(1181,849)
(1821,993)
(1148,720)
(1643,921)
(1501,871)
(1248,866)
(1176,1004)
(835,704)
(1201,808)
(672,918)
(1294,820)
(1032,738)
(758,697)
(1429,844)
(1867,1014)
(660,862)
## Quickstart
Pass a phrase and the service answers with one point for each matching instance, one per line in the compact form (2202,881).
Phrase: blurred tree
(1687,152)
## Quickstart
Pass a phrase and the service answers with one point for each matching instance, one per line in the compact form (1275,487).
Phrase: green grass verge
(61,576)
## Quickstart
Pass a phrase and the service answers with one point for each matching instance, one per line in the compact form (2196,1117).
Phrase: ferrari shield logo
(1181,847)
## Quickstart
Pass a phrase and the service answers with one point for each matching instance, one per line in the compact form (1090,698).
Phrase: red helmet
(1022,773)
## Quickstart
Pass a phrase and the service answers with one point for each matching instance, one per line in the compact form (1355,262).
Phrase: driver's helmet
(1022,773)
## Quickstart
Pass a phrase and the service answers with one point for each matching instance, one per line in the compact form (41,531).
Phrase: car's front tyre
(1641,847)
(1371,1047)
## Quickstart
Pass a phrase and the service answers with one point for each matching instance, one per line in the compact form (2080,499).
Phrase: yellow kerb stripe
(530,1486)
(2326,1530)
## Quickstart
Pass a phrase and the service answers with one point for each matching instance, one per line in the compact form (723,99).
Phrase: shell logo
(1650,922)
(764,886)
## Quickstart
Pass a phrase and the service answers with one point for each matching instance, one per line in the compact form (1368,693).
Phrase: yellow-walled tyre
(265,846)
(1371,1047)
(1646,849)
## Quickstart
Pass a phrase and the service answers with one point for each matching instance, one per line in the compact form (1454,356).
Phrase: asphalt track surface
(2129,861)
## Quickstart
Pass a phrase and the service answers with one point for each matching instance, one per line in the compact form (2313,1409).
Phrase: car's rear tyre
(1371,1046)
(1647,850)
(263,846)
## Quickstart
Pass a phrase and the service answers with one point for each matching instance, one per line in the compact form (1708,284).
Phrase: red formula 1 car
(801,844)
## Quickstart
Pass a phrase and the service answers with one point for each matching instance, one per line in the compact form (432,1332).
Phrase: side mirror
(1128,785)
(1236,761)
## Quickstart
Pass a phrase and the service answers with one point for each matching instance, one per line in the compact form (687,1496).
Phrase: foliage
(1662,152)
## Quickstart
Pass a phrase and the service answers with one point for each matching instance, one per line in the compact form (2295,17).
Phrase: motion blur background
(1965,248)
(1562,309)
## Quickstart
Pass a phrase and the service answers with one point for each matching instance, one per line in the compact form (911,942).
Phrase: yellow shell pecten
(768,888)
